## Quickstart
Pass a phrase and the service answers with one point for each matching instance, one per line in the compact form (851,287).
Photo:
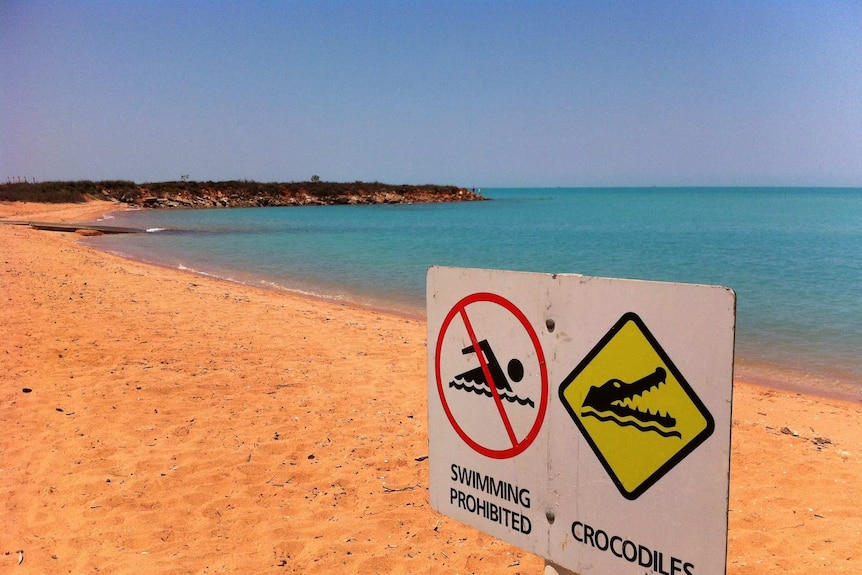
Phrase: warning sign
(496,410)
(633,406)
(586,420)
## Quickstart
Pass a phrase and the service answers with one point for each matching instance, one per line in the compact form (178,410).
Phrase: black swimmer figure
(515,369)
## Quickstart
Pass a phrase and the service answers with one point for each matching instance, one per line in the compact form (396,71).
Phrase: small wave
(184,268)
(153,230)
(303,292)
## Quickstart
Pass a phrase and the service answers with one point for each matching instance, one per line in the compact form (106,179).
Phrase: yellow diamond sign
(633,406)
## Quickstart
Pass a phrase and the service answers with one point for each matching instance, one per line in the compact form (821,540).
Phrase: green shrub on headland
(63,192)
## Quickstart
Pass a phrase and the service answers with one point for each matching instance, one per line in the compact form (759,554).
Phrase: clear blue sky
(466,93)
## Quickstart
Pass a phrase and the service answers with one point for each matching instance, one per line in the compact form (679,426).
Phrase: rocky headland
(233,194)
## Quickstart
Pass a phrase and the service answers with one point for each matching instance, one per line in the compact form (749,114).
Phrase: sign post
(586,420)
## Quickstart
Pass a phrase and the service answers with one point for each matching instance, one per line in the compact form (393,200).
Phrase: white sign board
(586,420)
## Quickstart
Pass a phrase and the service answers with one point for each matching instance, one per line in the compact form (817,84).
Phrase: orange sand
(179,424)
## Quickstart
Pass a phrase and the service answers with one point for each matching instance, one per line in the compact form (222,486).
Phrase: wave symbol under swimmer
(482,391)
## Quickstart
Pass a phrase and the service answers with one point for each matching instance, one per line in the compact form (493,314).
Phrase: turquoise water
(793,255)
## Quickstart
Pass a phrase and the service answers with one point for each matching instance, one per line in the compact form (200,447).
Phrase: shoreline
(347,302)
(160,434)
(746,370)
(752,371)
(830,384)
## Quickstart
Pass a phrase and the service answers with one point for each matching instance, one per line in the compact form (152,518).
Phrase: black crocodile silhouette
(606,403)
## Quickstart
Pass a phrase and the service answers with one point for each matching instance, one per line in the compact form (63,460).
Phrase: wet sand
(156,421)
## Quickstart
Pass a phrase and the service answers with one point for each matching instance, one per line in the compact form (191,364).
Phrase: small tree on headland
(315,178)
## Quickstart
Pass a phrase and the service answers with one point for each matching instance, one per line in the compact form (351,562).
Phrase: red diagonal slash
(485,370)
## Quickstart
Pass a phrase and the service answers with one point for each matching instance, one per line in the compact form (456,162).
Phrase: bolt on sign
(586,420)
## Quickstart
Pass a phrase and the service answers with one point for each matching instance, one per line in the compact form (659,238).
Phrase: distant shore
(233,194)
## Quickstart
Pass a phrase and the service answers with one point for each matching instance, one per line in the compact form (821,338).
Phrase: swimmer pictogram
(474,380)
(496,410)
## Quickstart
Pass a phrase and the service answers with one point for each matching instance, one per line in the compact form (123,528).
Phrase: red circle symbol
(518,445)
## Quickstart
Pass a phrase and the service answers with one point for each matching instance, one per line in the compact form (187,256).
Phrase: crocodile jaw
(614,395)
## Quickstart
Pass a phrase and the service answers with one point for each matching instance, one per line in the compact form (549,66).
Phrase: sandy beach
(156,421)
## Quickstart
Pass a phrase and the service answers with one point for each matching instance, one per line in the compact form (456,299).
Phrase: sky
(471,93)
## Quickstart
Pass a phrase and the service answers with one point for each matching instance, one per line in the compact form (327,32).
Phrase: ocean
(793,256)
